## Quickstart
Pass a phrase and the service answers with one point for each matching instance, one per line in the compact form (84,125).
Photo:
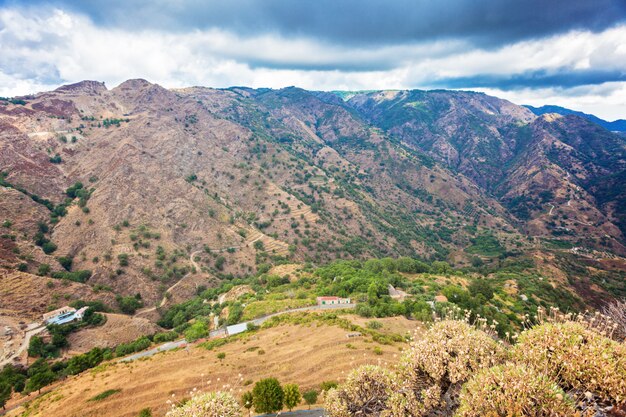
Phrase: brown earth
(28,296)
(305,355)
(117,329)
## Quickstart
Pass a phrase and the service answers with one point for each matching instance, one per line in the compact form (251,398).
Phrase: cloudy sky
(565,52)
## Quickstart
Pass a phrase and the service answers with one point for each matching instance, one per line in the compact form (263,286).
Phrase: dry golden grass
(305,355)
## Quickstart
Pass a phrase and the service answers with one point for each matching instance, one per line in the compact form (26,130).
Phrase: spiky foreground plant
(577,357)
(364,393)
(435,366)
(513,390)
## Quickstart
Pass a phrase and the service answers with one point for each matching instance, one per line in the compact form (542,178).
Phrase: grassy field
(301,354)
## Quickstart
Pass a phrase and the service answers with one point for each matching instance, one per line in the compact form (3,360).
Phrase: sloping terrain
(551,172)
(130,182)
(292,353)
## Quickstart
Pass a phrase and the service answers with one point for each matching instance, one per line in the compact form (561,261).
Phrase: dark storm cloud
(565,78)
(487,23)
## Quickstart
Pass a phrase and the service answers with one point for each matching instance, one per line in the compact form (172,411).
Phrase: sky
(563,52)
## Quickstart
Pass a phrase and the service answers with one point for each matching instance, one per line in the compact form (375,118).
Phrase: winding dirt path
(196,268)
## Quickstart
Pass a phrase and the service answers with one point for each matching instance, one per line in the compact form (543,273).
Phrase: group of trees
(269,396)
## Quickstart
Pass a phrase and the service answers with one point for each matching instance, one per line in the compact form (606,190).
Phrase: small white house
(321,301)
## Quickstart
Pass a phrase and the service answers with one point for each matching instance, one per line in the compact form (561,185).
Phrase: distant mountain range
(614,126)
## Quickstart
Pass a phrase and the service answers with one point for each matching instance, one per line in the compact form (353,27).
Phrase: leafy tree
(219,262)
(40,376)
(292,396)
(310,397)
(268,396)
(5,393)
(196,331)
(129,304)
(247,400)
(441,267)
(481,286)
(36,347)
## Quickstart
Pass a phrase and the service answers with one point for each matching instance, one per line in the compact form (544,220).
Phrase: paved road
(237,328)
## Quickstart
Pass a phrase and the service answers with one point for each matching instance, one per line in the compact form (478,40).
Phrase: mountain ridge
(257,176)
(618,125)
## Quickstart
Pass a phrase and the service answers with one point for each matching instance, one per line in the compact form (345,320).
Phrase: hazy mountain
(614,126)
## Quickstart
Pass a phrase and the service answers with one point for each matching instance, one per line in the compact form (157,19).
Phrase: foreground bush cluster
(557,368)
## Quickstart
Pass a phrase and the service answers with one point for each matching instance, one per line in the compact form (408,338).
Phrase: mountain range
(140,185)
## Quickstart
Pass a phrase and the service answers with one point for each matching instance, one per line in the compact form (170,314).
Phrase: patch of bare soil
(117,329)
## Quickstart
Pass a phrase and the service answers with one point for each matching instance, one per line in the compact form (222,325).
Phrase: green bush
(105,394)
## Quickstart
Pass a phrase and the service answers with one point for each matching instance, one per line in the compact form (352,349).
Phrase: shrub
(105,394)
(328,385)
(219,262)
(146,412)
(165,337)
(43,270)
(310,397)
(513,390)
(211,404)
(123,259)
(247,400)
(48,247)
(374,324)
(364,393)
(580,358)
(439,363)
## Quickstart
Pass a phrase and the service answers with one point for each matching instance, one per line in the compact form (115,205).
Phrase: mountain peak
(83,87)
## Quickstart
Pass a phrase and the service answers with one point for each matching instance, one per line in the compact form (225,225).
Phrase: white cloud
(46,47)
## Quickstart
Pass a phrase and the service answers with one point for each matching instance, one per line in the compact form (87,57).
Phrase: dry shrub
(364,393)
(617,312)
(214,404)
(513,390)
(577,357)
(434,368)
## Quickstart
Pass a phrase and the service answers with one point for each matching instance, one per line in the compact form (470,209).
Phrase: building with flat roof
(64,315)
(332,301)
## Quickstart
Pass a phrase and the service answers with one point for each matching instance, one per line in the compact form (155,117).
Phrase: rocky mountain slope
(144,186)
